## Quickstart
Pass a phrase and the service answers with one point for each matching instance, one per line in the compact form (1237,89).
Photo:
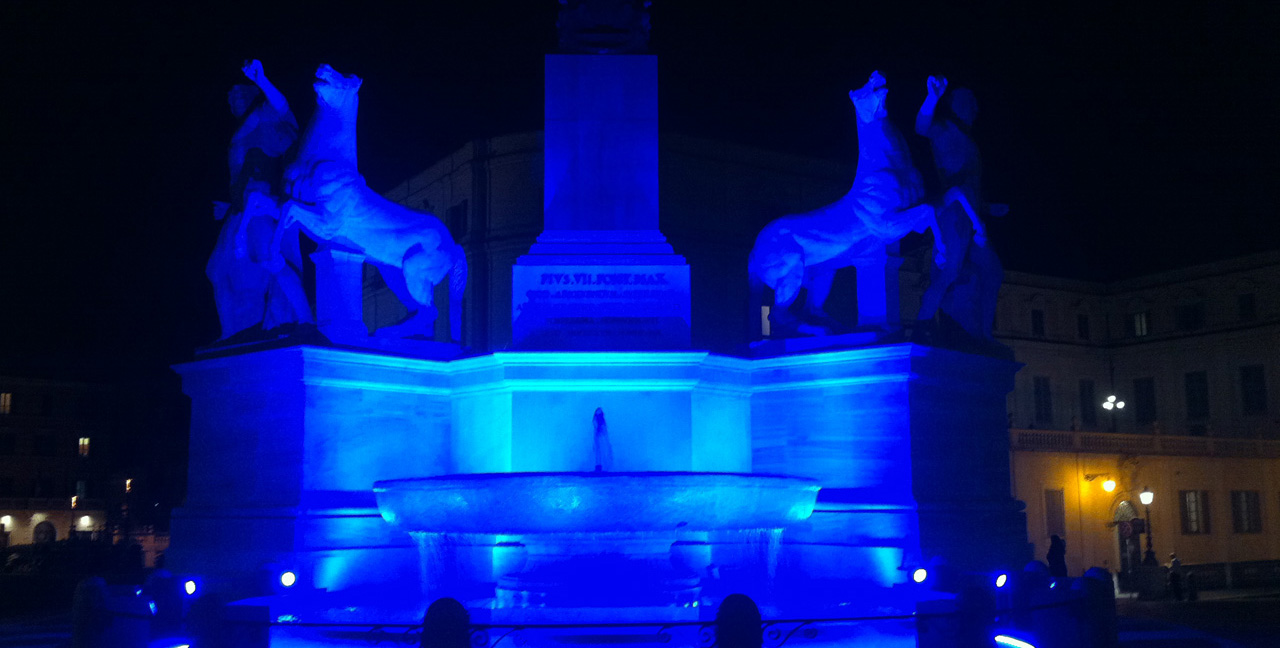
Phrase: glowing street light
(1109,485)
(1112,403)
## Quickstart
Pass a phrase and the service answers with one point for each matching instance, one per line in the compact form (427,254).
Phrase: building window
(1253,389)
(1055,513)
(82,489)
(6,403)
(1246,512)
(1190,317)
(1195,511)
(84,446)
(1037,322)
(1197,383)
(1088,404)
(1082,326)
(456,219)
(1144,400)
(1138,324)
(1246,307)
(1044,401)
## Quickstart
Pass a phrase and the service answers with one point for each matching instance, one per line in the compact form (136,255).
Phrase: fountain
(813,474)
(581,551)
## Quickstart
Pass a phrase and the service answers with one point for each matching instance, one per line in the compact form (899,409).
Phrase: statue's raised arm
(946,119)
(256,274)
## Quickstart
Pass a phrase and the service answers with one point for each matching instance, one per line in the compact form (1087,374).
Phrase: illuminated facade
(1194,355)
(53,479)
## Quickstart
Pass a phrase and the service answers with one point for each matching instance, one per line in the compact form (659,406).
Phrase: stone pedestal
(601,276)
(285,447)
(339,294)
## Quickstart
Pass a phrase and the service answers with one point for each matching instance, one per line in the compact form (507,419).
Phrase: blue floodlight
(1006,640)
(190,587)
(919,575)
(1002,579)
(288,578)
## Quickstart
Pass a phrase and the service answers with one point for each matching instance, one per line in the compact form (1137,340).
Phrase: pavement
(41,632)
(1220,619)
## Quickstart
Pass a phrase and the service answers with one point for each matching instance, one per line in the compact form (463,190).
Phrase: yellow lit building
(1193,355)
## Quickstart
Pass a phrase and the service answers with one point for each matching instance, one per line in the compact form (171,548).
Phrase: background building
(89,461)
(1193,355)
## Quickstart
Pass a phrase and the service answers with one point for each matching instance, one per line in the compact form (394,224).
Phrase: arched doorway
(44,533)
(1128,536)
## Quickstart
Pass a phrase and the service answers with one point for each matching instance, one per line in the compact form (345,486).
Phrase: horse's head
(868,101)
(335,90)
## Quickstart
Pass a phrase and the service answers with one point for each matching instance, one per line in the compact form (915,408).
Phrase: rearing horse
(330,200)
(884,204)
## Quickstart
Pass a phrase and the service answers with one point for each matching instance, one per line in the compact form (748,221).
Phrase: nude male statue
(256,282)
(965,281)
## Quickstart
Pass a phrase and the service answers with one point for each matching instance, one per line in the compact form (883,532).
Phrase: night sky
(1126,140)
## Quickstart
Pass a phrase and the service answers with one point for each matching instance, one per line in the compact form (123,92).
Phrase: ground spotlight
(1012,642)
(190,586)
(288,578)
(1002,579)
(919,575)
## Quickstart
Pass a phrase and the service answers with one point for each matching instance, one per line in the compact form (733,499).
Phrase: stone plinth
(285,447)
(909,444)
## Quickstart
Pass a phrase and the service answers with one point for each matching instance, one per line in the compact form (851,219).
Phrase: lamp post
(1111,405)
(1146,496)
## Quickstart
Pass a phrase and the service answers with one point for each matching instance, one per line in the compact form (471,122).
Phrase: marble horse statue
(328,197)
(886,202)
(964,283)
(257,284)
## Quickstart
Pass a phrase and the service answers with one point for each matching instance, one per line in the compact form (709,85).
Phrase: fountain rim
(383,485)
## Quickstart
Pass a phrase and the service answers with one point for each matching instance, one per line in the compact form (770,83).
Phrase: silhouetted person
(1175,577)
(447,624)
(1057,556)
(738,623)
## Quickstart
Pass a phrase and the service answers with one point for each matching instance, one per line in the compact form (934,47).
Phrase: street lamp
(1112,404)
(1108,485)
(1146,496)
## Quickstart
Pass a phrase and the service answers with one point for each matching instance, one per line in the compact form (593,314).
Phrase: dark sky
(1127,139)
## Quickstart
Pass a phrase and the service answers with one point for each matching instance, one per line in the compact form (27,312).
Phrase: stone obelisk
(601,276)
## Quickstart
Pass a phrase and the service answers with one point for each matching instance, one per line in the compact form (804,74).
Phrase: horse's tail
(457,288)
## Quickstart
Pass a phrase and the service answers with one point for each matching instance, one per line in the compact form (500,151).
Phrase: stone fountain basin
(594,502)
